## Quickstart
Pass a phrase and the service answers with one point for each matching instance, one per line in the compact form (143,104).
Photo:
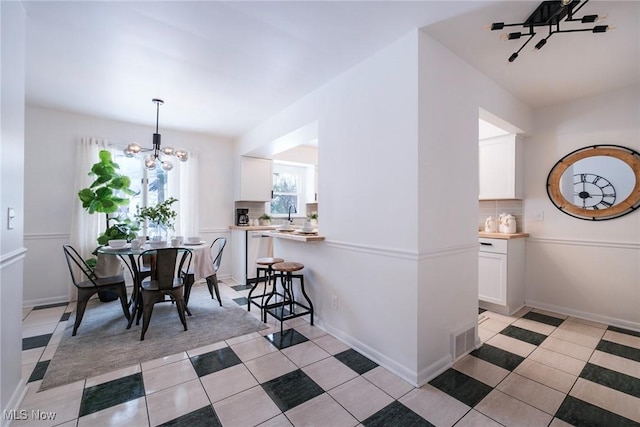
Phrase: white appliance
(258,246)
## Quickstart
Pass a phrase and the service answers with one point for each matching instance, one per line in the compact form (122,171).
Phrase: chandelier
(552,13)
(152,160)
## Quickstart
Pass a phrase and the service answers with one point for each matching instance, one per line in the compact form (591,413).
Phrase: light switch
(11,214)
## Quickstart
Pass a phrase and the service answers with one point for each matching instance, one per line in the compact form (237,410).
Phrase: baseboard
(430,372)
(403,372)
(14,403)
(620,323)
(45,301)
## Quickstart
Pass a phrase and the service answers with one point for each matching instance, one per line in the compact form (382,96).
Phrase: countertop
(294,235)
(253,227)
(502,235)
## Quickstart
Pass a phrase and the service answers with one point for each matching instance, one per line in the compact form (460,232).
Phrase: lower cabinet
(501,274)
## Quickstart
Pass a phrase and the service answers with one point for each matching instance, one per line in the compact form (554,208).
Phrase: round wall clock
(591,191)
(594,194)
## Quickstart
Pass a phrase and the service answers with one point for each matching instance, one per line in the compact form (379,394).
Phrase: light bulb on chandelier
(152,160)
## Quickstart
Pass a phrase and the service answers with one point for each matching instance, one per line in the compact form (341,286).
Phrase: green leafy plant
(313,215)
(105,195)
(160,215)
(265,217)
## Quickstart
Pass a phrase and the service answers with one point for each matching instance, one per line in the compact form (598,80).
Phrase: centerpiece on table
(160,217)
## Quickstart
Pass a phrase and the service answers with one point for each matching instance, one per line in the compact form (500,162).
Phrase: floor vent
(463,342)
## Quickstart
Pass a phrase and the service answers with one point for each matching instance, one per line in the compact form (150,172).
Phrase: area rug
(103,344)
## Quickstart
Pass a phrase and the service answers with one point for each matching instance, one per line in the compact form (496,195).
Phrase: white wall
(50,149)
(404,277)
(584,268)
(12,252)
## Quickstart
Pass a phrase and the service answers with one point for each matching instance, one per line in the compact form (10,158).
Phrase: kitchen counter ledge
(502,235)
(294,236)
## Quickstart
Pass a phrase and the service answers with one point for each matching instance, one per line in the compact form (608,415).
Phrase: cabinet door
(255,179)
(500,166)
(492,277)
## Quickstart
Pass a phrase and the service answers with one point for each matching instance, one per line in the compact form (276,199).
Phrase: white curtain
(185,189)
(85,228)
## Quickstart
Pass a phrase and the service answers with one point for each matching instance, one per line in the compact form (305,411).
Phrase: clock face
(593,191)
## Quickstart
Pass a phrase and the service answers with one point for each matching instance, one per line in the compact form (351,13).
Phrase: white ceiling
(223,67)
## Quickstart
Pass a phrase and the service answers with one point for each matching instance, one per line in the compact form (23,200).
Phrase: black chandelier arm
(515,54)
(572,11)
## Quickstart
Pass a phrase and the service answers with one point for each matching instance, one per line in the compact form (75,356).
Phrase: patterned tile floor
(533,369)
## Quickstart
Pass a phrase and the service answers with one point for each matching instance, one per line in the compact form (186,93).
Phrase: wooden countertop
(502,235)
(253,227)
(294,235)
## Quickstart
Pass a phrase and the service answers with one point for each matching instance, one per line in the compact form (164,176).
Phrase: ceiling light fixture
(153,159)
(551,13)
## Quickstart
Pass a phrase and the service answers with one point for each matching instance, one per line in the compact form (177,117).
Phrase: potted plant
(161,217)
(265,219)
(313,218)
(105,195)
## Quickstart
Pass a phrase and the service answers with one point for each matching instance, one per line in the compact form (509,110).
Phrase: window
(150,186)
(288,189)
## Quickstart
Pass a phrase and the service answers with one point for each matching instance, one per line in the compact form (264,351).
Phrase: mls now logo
(23,414)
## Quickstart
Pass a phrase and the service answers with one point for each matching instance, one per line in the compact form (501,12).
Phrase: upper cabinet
(254,182)
(312,185)
(501,168)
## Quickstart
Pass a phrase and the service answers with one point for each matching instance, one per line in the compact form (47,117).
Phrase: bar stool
(269,279)
(295,309)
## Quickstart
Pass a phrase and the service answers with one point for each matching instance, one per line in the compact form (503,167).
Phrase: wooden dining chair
(165,280)
(84,278)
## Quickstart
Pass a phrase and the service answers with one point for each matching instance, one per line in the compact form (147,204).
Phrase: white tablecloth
(202,261)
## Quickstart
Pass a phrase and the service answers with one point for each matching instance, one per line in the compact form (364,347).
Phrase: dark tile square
(241,301)
(106,395)
(288,338)
(203,417)
(464,388)
(292,389)
(612,379)
(35,342)
(395,415)
(543,318)
(214,361)
(241,287)
(619,350)
(58,304)
(39,371)
(356,361)
(523,335)
(624,331)
(578,413)
(497,356)
(65,317)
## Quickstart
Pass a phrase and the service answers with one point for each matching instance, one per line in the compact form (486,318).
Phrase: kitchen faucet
(294,211)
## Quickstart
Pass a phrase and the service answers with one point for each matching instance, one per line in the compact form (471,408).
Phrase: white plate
(286,231)
(126,246)
(307,232)
(201,242)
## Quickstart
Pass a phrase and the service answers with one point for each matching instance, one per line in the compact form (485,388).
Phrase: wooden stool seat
(287,267)
(268,261)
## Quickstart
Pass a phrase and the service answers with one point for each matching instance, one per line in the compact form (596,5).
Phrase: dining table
(201,265)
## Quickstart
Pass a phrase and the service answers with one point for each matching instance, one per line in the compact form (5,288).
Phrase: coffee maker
(242,217)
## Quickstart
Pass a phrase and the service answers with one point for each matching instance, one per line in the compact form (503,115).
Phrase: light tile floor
(534,369)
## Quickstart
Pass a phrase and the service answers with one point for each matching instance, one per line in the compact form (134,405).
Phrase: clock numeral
(596,179)
(583,177)
(609,195)
(605,203)
(595,207)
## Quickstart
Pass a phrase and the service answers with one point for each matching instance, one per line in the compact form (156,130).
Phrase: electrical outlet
(539,215)
(334,302)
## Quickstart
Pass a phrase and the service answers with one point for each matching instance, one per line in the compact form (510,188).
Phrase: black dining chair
(165,280)
(88,284)
(216,248)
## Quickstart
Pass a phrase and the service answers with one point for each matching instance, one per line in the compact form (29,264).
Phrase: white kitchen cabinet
(254,183)
(312,187)
(501,274)
(501,168)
